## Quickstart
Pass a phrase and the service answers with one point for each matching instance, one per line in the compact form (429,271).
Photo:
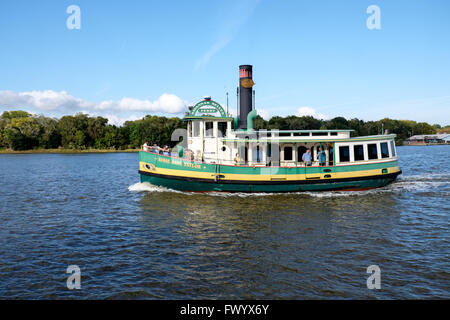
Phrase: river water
(137,241)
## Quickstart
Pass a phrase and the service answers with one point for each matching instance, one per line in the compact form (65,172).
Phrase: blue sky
(132,58)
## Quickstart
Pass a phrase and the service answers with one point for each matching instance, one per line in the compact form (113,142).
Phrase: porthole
(224,148)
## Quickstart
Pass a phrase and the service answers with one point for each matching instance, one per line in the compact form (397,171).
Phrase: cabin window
(190,128)
(333,133)
(209,129)
(373,151)
(384,150)
(392,148)
(246,154)
(196,128)
(316,134)
(331,156)
(257,155)
(358,150)
(301,134)
(344,154)
(222,126)
(288,153)
(271,152)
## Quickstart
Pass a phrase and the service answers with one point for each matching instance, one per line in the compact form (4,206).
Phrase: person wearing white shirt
(145,146)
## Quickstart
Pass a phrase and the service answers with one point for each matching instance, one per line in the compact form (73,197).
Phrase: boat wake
(147,187)
(422,183)
(411,184)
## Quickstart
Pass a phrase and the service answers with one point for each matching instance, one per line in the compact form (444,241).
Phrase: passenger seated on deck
(189,154)
(307,158)
(237,159)
(166,151)
(198,156)
(321,157)
(145,146)
(155,148)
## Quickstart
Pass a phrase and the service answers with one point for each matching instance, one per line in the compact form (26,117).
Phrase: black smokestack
(245,94)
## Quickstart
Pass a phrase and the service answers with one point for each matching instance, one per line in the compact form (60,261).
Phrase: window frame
(196,128)
(209,130)
(368,151)
(290,153)
(355,154)
(341,153)
(225,124)
(393,151)
(386,154)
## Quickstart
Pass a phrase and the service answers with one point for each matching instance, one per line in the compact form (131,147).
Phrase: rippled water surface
(137,241)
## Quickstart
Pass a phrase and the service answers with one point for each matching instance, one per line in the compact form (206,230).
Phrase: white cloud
(41,100)
(308,111)
(265,114)
(50,100)
(167,103)
(118,121)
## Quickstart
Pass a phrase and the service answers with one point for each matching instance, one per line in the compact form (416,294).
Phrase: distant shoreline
(426,144)
(67,151)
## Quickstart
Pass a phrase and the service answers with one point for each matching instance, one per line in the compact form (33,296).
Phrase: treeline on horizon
(20,130)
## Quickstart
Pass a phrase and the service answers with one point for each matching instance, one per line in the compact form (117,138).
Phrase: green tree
(277,122)
(22,133)
(260,123)
(72,130)
(20,130)
(95,130)
(79,140)
(49,137)
(3,136)
(15,114)
(338,123)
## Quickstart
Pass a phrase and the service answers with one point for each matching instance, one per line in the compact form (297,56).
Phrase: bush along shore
(62,150)
(21,131)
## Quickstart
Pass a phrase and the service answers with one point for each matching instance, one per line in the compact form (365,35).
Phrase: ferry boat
(225,154)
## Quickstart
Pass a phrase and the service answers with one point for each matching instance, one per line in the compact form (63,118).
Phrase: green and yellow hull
(185,175)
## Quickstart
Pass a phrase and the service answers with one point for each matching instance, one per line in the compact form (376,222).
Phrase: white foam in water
(403,184)
(146,186)
(418,183)
(319,194)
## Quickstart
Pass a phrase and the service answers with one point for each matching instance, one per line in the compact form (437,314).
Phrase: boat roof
(293,131)
(188,117)
(293,139)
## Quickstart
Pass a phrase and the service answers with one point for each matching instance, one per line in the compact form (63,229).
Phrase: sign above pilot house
(208,108)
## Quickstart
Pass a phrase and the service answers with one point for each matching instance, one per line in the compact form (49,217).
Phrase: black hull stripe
(253,182)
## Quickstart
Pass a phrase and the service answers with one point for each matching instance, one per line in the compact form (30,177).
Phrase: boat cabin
(214,136)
